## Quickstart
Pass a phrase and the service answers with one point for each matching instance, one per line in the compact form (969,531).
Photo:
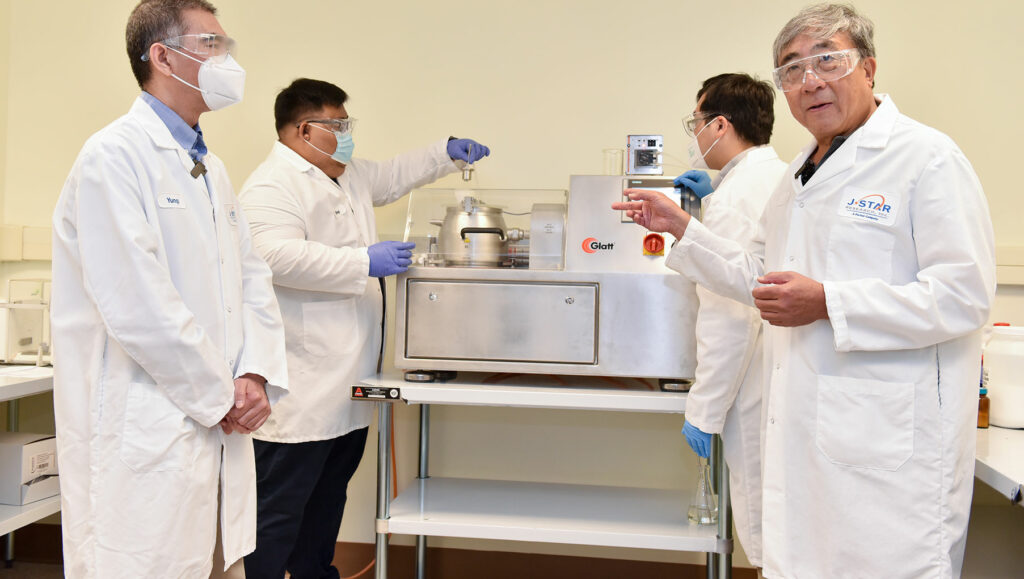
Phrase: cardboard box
(28,465)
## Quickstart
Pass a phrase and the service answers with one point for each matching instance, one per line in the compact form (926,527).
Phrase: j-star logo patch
(869,205)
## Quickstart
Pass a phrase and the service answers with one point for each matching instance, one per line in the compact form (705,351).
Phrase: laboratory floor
(23,570)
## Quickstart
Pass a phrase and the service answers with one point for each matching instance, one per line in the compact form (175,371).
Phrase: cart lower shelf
(550,512)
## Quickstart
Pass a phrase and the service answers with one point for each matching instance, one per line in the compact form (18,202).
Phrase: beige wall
(547,84)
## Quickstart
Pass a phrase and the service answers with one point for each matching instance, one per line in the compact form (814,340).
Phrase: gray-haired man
(875,268)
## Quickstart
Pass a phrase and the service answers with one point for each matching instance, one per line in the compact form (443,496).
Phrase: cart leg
(723,561)
(424,473)
(384,416)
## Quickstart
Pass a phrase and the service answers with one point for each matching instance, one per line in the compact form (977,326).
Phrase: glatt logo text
(592,245)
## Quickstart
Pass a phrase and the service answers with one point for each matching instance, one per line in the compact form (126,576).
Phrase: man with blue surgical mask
(731,126)
(173,342)
(311,208)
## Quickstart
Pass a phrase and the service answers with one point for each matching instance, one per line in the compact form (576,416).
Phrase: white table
(1000,461)
(529,511)
(18,382)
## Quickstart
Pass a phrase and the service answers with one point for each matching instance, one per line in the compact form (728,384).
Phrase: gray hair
(823,21)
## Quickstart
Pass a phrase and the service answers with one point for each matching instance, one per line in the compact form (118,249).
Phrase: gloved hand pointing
(696,181)
(699,440)
(389,257)
(459,150)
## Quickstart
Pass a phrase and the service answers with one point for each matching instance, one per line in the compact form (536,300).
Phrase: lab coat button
(772,420)
(801,204)
(778,366)
(229,309)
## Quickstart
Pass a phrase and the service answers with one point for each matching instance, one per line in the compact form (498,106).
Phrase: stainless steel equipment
(579,289)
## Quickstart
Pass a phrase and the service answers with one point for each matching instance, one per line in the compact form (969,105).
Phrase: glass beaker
(613,161)
(704,508)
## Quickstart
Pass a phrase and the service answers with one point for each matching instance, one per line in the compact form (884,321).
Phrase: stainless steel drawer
(502,321)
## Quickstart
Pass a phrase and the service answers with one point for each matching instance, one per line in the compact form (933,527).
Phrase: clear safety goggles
(691,120)
(337,125)
(828,67)
(213,47)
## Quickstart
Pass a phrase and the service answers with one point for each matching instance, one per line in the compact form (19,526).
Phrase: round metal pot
(472,235)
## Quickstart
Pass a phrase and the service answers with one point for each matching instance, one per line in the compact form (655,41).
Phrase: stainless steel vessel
(587,296)
(472,235)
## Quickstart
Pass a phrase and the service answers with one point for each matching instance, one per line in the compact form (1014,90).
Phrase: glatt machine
(543,283)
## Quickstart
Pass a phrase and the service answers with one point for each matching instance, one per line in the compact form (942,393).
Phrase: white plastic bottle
(1004,373)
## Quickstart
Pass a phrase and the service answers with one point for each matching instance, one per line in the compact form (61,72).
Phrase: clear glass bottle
(704,508)
(983,402)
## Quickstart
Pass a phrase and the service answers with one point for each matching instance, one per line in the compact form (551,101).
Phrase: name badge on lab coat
(231,212)
(869,206)
(171,201)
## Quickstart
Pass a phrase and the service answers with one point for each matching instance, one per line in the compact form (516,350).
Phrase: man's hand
(699,440)
(790,299)
(252,407)
(655,211)
(697,181)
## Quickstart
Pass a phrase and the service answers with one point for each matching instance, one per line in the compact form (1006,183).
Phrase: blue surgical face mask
(343,151)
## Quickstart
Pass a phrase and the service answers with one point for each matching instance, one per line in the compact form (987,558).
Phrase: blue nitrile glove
(389,257)
(458,150)
(699,440)
(696,181)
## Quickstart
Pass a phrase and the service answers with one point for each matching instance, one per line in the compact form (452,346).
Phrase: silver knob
(432,297)
(570,301)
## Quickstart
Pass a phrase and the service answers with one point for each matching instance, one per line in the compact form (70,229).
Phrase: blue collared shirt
(190,138)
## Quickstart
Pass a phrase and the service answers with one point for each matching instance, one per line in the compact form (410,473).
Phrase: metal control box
(643,154)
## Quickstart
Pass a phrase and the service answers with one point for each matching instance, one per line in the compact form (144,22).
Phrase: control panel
(643,154)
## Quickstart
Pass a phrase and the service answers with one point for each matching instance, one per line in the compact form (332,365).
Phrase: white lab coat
(726,395)
(159,302)
(871,414)
(313,232)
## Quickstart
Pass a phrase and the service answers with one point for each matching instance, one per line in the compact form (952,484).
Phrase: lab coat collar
(153,125)
(873,134)
(294,159)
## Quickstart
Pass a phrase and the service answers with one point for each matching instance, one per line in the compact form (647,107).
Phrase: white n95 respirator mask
(221,83)
(696,158)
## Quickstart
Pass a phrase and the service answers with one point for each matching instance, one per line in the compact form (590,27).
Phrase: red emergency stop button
(654,244)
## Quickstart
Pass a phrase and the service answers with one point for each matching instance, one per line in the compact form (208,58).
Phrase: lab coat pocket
(330,328)
(858,250)
(157,435)
(865,423)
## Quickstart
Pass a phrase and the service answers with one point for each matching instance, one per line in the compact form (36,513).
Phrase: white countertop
(19,381)
(1000,461)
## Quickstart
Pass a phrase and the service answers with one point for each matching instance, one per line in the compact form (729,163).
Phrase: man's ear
(158,59)
(870,67)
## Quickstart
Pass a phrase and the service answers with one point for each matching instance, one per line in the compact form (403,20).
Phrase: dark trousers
(301,490)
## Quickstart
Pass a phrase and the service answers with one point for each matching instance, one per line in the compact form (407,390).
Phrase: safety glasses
(828,67)
(337,125)
(215,47)
(691,120)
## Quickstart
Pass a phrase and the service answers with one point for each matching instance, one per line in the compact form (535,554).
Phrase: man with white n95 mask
(172,339)
(731,126)
(311,205)
(874,265)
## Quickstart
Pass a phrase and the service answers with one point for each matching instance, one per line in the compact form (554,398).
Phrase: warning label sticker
(375,392)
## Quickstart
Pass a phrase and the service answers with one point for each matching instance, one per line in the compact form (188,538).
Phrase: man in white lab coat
(172,339)
(874,265)
(731,127)
(311,208)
